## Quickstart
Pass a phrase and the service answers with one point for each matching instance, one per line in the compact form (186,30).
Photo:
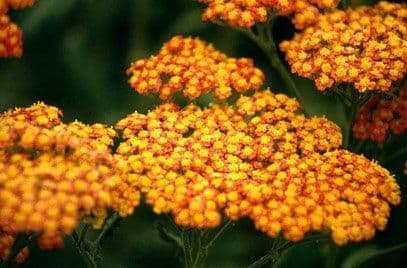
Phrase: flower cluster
(195,68)
(246,13)
(53,174)
(379,117)
(6,4)
(363,46)
(260,159)
(10,33)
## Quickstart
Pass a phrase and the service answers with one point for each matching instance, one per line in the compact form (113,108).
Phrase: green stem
(352,102)
(83,248)
(196,244)
(333,253)
(280,246)
(225,226)
(265,41)
(110,222)
(89,249)
(349,124)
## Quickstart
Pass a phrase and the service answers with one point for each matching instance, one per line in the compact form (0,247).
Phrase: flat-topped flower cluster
(363,46)
(52,175)
(246,13)
(193,67)
(260,158)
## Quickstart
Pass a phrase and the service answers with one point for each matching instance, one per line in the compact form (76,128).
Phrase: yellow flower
(369,53)
(260,159)
(53,174)
(10,33)
(193,67)
(246,13)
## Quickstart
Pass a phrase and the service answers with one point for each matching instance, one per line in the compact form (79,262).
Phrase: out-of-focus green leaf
(368,253)
(45,12)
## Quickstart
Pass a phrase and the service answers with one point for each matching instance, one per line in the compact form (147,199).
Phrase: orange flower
(10,38)
(195,68)
(260,159)
(5,4)
(379,117)
(246,13)
(53,174)
(363,46)
(10,34)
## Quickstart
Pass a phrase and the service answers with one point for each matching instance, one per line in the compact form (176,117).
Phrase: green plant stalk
(83,249)
(197,243)
(265,41)
(89,249)
(280,246)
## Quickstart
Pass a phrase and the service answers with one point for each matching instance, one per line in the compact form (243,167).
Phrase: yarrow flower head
(10,38)
(260,159)
(246,13)
(363,46)
(379,118)
(53,174)
(193,67)
(10,34)
(6,4)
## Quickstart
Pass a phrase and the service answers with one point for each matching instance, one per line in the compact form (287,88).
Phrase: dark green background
(75,56)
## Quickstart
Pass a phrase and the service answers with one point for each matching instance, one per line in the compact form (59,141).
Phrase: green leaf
(368,253)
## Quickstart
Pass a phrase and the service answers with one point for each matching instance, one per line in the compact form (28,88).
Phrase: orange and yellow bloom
(363,46)
(10,34)
(193,67)
(260,159)
(53,174)
(246,13)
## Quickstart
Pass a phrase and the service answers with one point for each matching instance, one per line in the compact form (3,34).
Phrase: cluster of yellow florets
(260,159)
(363,46)
(53,174)
(10,33)
(195,68)
(246,13)
(379,117)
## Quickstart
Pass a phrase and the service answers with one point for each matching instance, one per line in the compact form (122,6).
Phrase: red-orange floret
(379,118)
(10,38)
(10,34)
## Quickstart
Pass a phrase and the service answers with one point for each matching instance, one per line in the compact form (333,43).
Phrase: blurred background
(75,56)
